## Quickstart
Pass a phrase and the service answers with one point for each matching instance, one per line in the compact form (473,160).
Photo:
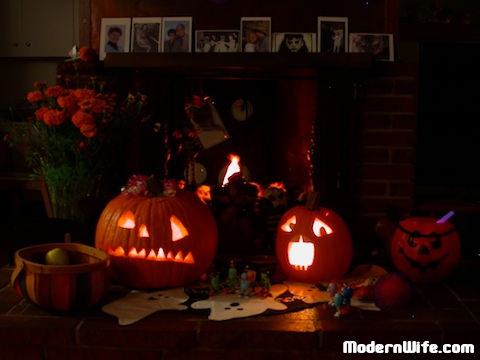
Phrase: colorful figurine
(264,285)
(232,279)
(332,290)
(215,284)
(246,281)
(341,300)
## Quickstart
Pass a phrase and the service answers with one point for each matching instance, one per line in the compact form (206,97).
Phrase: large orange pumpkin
(313,244)
(157,242)
(425,250)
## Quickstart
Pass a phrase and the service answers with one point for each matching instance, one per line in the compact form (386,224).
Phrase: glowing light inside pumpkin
(143,232)
(127,220)
(289,224)
(178,230)
(232,168)
(152,256)
(301,254)
(320,228)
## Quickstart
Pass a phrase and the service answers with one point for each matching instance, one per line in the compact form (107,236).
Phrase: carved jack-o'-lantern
(313,244)
(425,250)
(157,242)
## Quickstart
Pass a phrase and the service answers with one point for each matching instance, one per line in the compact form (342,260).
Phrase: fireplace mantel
(309,63)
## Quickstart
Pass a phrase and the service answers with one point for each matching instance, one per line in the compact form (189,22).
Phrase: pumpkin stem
(313,201)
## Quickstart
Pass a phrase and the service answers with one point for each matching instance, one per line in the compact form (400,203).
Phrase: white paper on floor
(231,306)
(137,305)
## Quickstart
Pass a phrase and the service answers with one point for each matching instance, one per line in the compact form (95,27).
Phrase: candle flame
(233,168)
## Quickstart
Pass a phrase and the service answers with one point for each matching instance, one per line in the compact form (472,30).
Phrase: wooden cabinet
(33,28)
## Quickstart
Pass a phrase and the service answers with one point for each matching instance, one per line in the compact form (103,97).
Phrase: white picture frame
(146,35)
(256,34)
(110,38)
(378,44)
(177,42)
(294,42)
(333,34)
(217,41)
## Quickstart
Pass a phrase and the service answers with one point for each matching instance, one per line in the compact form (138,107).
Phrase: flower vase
(65,198)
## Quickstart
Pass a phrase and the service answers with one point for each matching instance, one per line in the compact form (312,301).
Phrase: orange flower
(68,103)
(86,54)
(35,96)
(53,117)
(81,118)
(39,114)
(88,130)
(83,94)
(98,105)
(55,91)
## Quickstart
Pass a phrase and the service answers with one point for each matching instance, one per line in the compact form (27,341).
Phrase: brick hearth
(442,313)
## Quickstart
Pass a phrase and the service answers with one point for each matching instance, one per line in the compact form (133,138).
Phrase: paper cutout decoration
(137,305)
(309,294)
(231,306)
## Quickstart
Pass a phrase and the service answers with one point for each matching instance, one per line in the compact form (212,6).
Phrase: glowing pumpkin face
(425,251)
(313,245)
(157,242)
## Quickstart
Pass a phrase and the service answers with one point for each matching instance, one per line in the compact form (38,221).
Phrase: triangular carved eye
(288,225)
(178,230)
(127,220)
(319,228)
(143,232)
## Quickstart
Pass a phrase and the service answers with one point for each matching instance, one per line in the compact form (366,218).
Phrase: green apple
(57,256)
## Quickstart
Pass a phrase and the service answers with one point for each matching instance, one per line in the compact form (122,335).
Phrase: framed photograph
(294,42)
(146,35)
(177,34)
(256,34)
(332,34)
(217,41)
(379,45)
(114,36)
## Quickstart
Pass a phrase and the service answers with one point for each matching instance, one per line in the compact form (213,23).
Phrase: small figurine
(215,284)
(332,290)
(341,300)
(232,279)
(245,282)
(264,288)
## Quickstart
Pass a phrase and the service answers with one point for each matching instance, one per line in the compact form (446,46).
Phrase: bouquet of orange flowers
(79,131)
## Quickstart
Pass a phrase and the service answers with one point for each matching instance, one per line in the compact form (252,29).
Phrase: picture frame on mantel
(332,34)
(379,45)
(217,41)
(294,42)
(256,34)
(146,35)
(114,36)
(177,34)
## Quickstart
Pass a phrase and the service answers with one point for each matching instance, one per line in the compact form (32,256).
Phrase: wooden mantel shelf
(264,61)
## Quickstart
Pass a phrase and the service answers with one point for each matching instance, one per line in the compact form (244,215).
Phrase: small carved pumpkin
(424,250)
(313,245)
(157,242)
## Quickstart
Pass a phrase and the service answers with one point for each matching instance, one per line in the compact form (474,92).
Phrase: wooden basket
(62,288)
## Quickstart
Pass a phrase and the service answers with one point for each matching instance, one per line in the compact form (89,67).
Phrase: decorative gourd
(313,244)
(157,242)
(424,250)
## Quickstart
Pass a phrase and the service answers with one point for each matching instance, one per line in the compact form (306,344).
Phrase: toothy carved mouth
(432,265)
(301,254)
(152,256)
